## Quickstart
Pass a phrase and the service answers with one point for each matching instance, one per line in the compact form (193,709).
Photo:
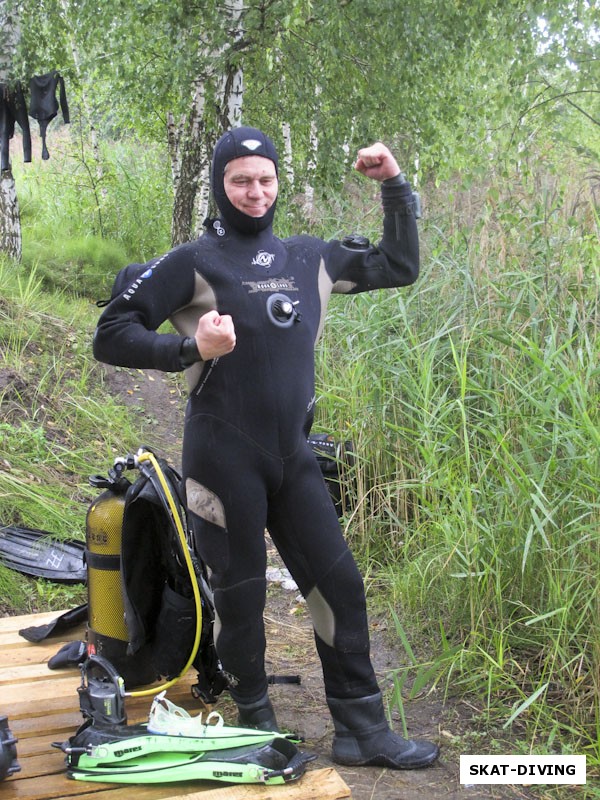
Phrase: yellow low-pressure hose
(145,455)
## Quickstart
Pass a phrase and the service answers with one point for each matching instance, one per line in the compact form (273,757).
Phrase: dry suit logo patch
(271,285)
(263,259)
(138,282)
(146,274)
(251,144)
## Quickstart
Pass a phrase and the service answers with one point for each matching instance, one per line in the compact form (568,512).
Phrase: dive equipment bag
(336,460)
(149,603)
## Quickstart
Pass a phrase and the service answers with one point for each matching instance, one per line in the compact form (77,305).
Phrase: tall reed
(473,401)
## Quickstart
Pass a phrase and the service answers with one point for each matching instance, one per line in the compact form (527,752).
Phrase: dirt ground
(301,707)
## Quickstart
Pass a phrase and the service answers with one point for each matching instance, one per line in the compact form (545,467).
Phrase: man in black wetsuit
(248,308)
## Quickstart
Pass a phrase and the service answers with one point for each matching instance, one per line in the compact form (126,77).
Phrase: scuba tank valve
(102,693)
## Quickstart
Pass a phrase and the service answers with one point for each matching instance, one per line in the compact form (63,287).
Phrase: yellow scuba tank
(107,633)
(104,522)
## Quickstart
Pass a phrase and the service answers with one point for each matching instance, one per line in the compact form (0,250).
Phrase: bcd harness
(150,607)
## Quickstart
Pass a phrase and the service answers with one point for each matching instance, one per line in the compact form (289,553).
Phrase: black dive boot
(259,715)
(363,737)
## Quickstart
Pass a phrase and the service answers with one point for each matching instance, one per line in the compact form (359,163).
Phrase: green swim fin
(159,758)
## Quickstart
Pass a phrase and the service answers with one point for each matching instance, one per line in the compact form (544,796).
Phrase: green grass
(82,220)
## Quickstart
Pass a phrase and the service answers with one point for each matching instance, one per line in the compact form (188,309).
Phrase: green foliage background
(472,398)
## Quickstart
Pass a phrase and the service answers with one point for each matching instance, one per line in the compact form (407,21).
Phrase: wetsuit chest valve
(282,311)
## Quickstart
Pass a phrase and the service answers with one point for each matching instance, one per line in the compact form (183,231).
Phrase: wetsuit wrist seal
(189,353)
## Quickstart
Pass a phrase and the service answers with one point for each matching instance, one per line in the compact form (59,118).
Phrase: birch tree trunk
(288,154)
(192,144)
(308,205)
(10,217)
(186,159)
(229,103)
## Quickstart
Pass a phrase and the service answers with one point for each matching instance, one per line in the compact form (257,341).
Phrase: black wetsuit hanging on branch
(13,109)
(44,105)
(246,462)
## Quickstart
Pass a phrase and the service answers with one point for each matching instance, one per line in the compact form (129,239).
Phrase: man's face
(251,184)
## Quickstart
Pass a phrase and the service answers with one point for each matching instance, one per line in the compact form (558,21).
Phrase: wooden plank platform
(42,707)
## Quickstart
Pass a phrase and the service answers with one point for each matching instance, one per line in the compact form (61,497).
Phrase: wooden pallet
(42,707)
